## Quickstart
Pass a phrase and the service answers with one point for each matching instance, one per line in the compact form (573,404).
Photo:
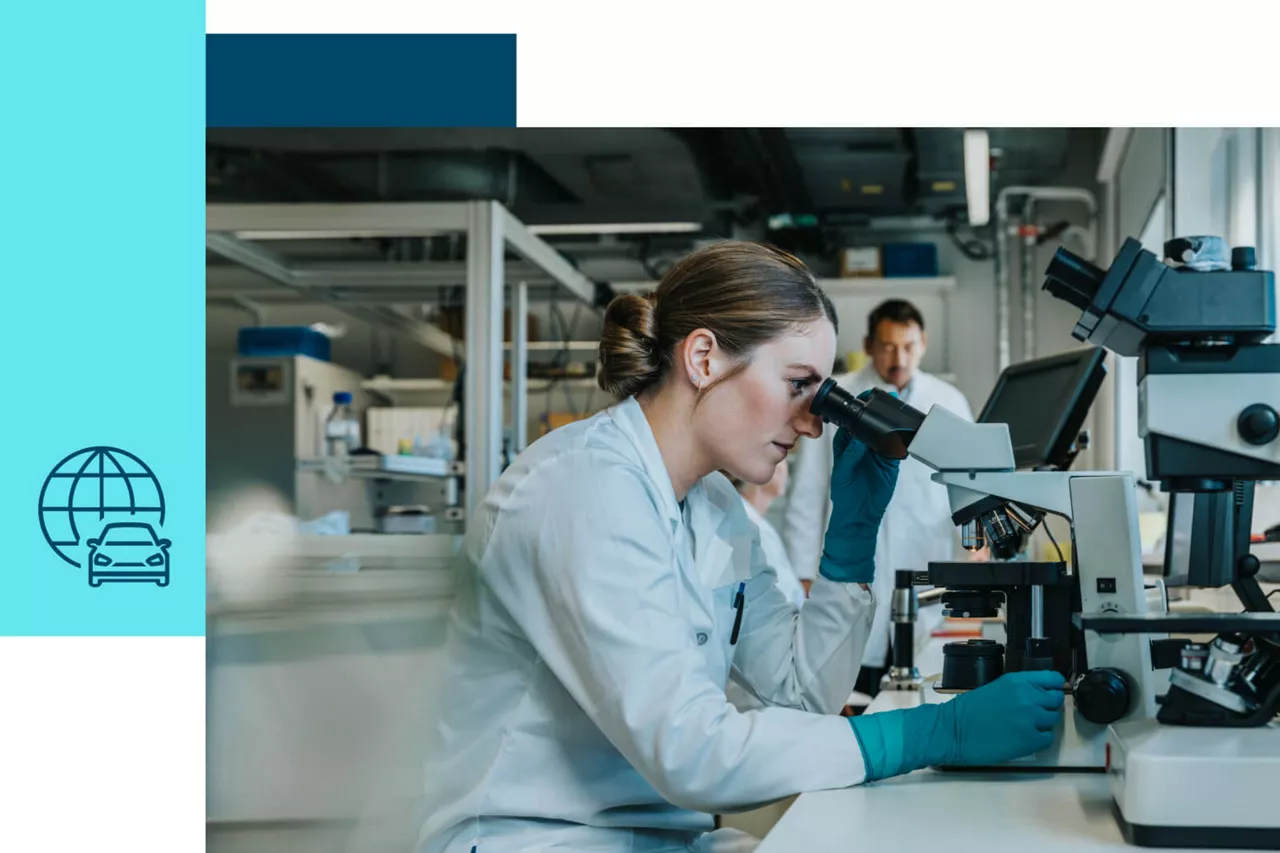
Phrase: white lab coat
(584,700)
(775,555)
(917,526)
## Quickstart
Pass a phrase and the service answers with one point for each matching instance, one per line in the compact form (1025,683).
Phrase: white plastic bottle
(342,428)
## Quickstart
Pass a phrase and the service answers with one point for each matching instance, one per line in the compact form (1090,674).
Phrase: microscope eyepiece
(1073,279)
(881,421)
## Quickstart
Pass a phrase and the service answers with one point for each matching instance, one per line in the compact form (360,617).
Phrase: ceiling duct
(862,171)
(505,176)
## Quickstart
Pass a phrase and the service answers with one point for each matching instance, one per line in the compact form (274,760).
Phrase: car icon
(128,551)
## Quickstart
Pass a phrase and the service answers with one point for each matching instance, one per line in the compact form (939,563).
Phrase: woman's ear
(701,358)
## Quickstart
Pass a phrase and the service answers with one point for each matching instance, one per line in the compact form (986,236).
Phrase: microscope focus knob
(1102,695)
(1258,424)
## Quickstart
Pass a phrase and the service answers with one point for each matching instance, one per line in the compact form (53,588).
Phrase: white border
(810,63)
(102,743)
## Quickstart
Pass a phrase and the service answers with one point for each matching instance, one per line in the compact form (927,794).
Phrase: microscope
(1198,772)
(1004,475)
(1186,731)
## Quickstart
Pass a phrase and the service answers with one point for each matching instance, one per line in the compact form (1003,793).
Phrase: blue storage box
(909,260)
(279,341)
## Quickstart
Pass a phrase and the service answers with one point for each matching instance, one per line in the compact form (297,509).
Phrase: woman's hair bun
(630,359)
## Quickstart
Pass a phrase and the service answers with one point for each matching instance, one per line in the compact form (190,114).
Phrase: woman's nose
(808,424)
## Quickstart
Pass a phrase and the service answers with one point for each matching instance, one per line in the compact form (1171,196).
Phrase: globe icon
(92,488)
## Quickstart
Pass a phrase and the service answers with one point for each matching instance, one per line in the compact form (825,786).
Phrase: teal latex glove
(862,482)
(1009,718)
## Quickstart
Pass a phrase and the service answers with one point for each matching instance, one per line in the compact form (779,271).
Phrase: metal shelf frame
(236,232)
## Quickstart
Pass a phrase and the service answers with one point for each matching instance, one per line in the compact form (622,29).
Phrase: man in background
(917,526)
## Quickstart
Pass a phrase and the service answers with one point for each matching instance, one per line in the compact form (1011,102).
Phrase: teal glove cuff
(880,739)
(900,741)
(857,571)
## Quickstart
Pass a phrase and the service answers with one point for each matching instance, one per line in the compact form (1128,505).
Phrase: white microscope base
(1183,786)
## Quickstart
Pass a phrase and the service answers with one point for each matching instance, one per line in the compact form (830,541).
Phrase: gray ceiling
(558,175)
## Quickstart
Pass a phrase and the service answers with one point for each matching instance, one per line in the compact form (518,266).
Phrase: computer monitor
(1044,402)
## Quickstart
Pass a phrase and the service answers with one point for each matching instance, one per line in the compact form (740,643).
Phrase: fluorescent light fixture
(977,176)
(616,228)
(321,234)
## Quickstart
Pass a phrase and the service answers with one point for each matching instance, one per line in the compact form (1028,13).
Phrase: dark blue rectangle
(360,80)
(909,260)
(276,341)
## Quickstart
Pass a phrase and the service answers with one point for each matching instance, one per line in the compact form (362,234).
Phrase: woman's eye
(798,386)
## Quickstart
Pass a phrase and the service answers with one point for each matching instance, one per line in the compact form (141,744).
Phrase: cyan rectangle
(361,80)
(101,223)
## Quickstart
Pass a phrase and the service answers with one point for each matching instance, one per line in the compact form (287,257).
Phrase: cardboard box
(860,263)
(554,420)
(454,321)
(449,369)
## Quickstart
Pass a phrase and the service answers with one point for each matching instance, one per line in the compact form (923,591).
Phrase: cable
(655,271)
(1057,547)
(975,249)
(1052,232)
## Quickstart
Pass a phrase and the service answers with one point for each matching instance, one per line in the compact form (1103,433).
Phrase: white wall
(1141,178)
(1136,206)
(1215,183)
(1190,181)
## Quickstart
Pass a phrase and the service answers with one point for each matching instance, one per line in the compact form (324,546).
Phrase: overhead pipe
(1029,234)
(1002,283)
(1002,260)
(259,313)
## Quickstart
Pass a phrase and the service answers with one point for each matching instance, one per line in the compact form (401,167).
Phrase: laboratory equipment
(282,341)
(342,427)
(265,447)
(1199,774)
(1045,402)
(998,506)
(970,664)
(903,674)
(263,414)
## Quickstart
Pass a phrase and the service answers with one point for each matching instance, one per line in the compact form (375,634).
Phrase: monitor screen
(1044,403)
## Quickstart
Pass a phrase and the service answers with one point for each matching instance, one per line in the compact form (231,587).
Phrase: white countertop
(929,810)
(933,810)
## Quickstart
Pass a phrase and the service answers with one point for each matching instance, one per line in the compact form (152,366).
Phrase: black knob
(1248,566)
(1258,424)
(1244,258)
(1102,695)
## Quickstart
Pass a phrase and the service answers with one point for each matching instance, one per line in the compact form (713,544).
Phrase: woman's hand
(862,483)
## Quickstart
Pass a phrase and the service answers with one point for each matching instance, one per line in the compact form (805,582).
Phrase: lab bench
(323,656)
(947,810)
(931,809)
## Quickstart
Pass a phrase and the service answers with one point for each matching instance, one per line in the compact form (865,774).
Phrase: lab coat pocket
(730,611)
